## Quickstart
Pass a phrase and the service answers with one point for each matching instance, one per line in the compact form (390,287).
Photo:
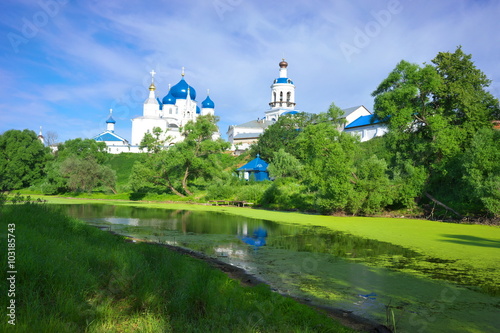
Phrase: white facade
(366,127)
(171,113)
(282,101)
(282,94)
(114,142)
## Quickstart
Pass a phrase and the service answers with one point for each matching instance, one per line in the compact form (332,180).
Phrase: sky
(65,63)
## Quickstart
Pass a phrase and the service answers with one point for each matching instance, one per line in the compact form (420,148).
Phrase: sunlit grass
(76,278)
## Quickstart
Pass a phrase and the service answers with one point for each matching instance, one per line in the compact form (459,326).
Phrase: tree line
(441,154)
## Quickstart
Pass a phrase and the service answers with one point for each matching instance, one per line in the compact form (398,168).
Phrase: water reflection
(257,239)
(326,266)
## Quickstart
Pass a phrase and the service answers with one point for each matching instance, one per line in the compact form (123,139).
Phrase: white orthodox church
(169,114)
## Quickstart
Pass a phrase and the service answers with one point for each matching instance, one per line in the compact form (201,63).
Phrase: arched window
(274,93)
(288,95)
(281,96)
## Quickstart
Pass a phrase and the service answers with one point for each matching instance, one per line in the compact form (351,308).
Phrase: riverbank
(460,247)
(72,277)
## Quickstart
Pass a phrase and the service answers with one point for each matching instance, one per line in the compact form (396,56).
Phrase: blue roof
(180,90)
(198,110)
(110,120)
(160,103)
(208,103)
(108,136)
(283,80)
(257,164)
(365,121)
(291,112)
(169,98)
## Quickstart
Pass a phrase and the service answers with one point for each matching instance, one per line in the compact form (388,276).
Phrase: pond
(376,280)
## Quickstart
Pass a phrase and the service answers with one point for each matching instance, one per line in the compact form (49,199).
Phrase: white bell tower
(282,94)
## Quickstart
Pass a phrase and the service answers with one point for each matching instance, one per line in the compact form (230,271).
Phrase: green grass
(469,247)
(122,164)
(75,278)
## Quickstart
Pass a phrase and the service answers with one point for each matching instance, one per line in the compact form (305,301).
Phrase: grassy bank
(465,248)
(72,277)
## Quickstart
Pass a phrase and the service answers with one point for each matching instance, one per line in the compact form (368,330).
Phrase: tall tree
(434,111)
(87,157)
(154,142)
(327,156)
(173,168)
(22,159)
(482,171)
(83,148)
(281,134)
(85,174)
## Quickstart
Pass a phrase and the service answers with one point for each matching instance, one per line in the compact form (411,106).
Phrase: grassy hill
(122,164)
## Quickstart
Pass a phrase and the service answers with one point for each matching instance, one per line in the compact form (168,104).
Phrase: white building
(282,102)
(115,143)
(367,127)
(169,114)
(359,120)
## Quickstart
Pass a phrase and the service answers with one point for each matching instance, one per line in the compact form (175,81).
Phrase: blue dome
(180,90)
(283,80)
(110,120)
(169,98)
(198,110)
(208,103)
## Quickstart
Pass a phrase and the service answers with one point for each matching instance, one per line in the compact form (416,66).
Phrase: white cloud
(96,55)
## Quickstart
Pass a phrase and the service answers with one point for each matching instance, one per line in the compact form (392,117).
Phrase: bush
(287,194)
(251,191)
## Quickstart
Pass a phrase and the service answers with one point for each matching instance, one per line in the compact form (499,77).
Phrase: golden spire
(152,86)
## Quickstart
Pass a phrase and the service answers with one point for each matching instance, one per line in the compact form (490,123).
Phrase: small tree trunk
(442,204)
(184,182)
(172,188)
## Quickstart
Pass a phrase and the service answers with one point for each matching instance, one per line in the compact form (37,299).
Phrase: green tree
(373,190)
(86,174)
(463,94)
(193,158)
(22,159)
(284,165)
(433,111)
(87,157)
(281,135)
(482,171)
(154,142)
(83,148)
(327,156)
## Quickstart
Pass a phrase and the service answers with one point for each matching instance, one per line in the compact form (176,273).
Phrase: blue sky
(65,63)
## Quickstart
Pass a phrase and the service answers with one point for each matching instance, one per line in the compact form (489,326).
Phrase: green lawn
(72,277)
